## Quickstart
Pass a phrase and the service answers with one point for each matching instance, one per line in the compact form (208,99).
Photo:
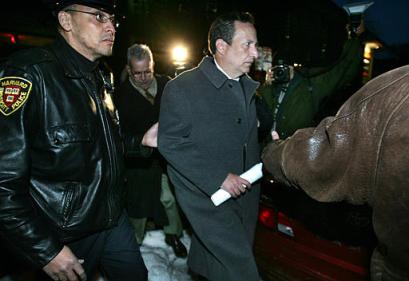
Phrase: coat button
(230,86)
(238,120)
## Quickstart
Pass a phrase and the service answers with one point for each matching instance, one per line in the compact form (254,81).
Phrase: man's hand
(275,135)
(65,267)
(150,138)
(235,185)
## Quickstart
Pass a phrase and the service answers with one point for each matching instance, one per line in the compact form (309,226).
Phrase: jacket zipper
(67,208)
(110,145)
(111,151)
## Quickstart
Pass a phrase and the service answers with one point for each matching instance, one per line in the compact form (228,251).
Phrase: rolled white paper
(251,175)
(219,197)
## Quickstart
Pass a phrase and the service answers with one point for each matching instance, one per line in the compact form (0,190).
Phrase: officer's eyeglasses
(100,17)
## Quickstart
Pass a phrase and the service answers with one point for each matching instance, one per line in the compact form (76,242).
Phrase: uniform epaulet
(29,57)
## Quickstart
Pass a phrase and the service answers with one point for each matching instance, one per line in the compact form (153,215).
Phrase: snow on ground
(160,260)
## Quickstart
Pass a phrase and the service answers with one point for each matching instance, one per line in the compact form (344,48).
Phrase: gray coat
(207,129)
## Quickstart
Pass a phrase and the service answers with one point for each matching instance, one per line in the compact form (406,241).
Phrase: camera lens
(281,73)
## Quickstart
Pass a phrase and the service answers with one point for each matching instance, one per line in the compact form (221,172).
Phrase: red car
(299,238)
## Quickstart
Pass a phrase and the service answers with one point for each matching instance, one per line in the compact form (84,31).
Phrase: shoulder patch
(14,92)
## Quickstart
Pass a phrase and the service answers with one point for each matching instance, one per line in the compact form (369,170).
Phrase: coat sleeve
(132,141)
(316,160)
(176,144)
(21,227)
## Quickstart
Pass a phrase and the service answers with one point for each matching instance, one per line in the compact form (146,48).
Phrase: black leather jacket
(60,153)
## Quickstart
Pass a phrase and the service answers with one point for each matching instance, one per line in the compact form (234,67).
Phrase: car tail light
(267,217)
(275,220)
(7,38)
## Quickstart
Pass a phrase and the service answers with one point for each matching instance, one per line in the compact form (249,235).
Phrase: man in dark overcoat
(208,134)
(148,191)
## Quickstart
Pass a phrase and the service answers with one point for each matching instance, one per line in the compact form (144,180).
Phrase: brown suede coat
(360,155)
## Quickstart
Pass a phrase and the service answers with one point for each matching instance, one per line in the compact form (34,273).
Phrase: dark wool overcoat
(207,129)
(143,174)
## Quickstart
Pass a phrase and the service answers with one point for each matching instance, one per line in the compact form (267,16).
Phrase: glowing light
(8,37)
(369,46)
(179,55)
(266,216)
(368,59)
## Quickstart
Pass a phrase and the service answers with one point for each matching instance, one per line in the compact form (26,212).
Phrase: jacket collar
(217,78)
(75,65)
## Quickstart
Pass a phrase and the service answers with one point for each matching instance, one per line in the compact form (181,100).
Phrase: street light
(180,57)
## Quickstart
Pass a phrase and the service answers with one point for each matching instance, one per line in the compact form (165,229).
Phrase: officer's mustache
(108,38)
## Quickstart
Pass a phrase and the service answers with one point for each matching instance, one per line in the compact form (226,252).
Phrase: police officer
(60,153)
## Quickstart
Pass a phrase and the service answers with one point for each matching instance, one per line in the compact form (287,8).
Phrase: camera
(280,73)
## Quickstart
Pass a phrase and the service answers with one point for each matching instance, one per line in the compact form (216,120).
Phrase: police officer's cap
(104,5)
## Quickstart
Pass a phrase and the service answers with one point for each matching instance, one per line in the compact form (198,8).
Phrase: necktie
(150,97)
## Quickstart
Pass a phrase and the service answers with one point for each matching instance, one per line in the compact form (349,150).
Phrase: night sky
(160,23)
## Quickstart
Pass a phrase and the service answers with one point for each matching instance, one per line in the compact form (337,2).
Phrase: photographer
(299,96)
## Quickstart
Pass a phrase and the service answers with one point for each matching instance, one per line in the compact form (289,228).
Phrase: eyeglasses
(139,73)
(100,17)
